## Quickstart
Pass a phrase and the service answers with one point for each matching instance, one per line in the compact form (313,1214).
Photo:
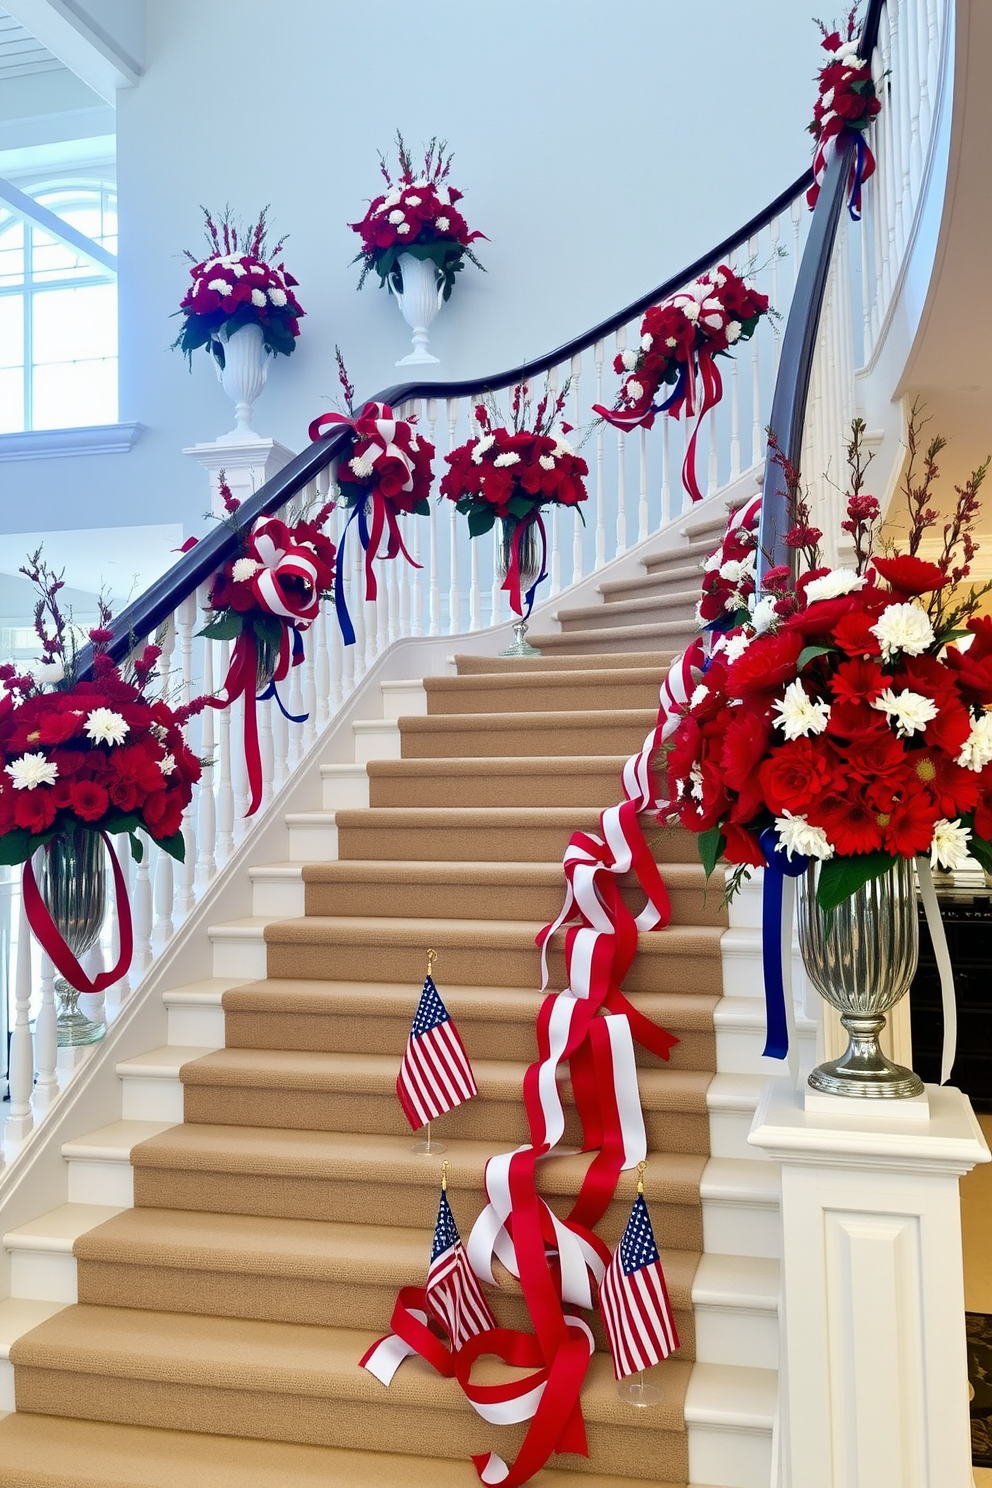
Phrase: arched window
(58,315)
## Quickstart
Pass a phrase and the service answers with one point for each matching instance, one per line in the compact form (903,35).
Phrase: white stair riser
(7,1402)
(740,1336)
(744,1229)
(738,1052)
(376,739)
(313,842)
(193,1027)
(732,1457)
(403,699)
(94,1182)
(728,1133)
(147,1098)
(43,1275)
(346,789)
(234,957)
(741,955)
(278,898)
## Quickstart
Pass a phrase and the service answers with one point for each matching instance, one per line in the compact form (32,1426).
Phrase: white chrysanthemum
(797,836)
(481,446)
(798,715)
(903,627)
(47,673)
(442,194)
(737,569)
(413,201)
(647,341)
(713,561)
(977,750)
(221,286)
(442,223)
(363,466)
(31,770)
(404,227)
(104,726)
(238,270)
(562,447)
(949,848)
(395,217)
(510,458)
(832,585)
(167,764)
(909,711)
(690,310)
(278,297)
(392,198)
(628,359)
(546,462)
(245,569)
(258,298)
(257,269)
(634,390)
(700,694)
(735,645)
(733,332)
(763,615)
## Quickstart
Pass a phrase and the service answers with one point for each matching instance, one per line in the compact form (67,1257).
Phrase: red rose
(163,814)
(742,846)
(794,776)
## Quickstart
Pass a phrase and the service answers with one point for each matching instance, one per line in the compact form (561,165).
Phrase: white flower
(977,750)
(647,341)
(442,223)
(696,789)
(798,715)
(47,673)
(690,310)
(628,358)
(363,466)
(510,458)
(395,217)
(392,198)
(949,848)
(735,645)
(258,298)
(238,270)
(634,390)
(481,446)
(671,341)
(733,332)
(763,614)
(221,286)
(31,770)
(104,726)
(245,569)
(736,569)
(828,98)
(441,192)
(277,296)
(797,836)
(734,601)
(832,585)
(256,268)
(910,711)
(404,227)
(167,764)
(713,561)
(413,201)
(699,614)
(422,184)
(903,627)
(700,695)
(562,447)
(547,462)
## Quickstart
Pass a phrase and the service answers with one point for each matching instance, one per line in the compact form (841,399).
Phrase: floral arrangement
(679,341)
(847,103)
(841,721)
(264,600)
(416,214)
(97,754)
(729,573)
(387,473)
(237,286)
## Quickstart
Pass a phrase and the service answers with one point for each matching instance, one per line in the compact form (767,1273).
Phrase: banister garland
(846,105)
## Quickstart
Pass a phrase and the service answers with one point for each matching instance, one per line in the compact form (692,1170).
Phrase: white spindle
(186,623)
(122,988)
(21,1075)
(164,870)
(454,597)
(599,355)
(206,860)
(266,747)
(142,908)
(576,420)
(95,1004)
(381,608)
(46,1042)
(666,469)
(226,805)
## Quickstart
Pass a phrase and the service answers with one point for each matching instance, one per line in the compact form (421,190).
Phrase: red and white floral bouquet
(679,342)
(416,214)
(511,474)
(841,721)
(237,286)
(847,103)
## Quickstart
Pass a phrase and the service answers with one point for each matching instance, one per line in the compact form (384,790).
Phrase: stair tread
(60,1452)
(429,723)
(458,870)
(539,681)
(686,599)
(498,665)
(499,764)
(674,940)
(615,633)
(59,1228)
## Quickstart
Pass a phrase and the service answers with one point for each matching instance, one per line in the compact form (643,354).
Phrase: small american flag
(633,1299)
(435,1075)
(453,1292)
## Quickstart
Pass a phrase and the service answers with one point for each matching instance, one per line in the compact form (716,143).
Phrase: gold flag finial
(444,1177)
(640,1176)
(431,958)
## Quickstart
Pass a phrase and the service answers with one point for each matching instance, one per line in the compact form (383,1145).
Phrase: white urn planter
(419,300)
(243,376)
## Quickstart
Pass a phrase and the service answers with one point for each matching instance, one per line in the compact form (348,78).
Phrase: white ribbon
(948,1001)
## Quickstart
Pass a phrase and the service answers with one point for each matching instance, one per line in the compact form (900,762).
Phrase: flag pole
(427,1148)
(635,1390)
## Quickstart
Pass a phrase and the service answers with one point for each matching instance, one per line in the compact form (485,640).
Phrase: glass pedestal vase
(861,958)
(72,882)
(530,560)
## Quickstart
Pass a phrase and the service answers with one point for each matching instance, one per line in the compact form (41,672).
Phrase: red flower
(852,632)
(163,813)
(34,810)
(742,846)
(858,682)
(89,801)
(850,823)
(793,776)
(908,828)
(910,575)
(765,665)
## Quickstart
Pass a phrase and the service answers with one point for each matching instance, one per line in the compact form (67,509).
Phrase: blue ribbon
(678,391)
(779,867)
(340,602)
(857,176)
(272,692)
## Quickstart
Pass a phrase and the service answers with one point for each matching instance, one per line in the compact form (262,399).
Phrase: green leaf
(227,627)
(129,823)
(842,877)
(137,846)
(947,636)
(268,628)
(520,506)
(809,652)
(710,845)
(480,520)
(175,846)
(981,851)
(422,508)
(17,846)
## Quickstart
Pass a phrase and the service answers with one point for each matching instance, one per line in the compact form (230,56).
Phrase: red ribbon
(51,940)
(242,681)
(712,382)
(511,584)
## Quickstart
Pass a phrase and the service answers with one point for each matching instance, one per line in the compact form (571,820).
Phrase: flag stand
(635,1390)
(427,1148)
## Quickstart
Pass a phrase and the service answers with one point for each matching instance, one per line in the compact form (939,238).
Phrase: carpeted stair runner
(272,1229)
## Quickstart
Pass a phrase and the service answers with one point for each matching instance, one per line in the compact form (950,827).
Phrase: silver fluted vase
(529,556)
(861,957)
(72,883)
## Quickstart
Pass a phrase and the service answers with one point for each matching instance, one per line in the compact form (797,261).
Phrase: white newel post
(874,1382)
(246,466)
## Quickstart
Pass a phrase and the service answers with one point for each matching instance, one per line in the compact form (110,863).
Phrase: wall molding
(54,444)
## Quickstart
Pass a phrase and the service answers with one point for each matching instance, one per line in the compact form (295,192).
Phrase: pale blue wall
(600,145)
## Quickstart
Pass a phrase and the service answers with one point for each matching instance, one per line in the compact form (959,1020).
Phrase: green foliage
(842,877)
(710,845)
(226,627)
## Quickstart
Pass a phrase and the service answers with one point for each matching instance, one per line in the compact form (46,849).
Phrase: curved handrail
(788,415)
(150,609)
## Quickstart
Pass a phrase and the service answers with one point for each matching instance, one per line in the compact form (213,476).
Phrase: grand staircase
(230,1248)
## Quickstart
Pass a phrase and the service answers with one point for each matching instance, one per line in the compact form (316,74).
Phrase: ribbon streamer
(776,945)
(52,941)
(511,584)
(938,938)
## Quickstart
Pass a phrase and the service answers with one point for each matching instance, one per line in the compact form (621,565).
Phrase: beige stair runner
(220,1320)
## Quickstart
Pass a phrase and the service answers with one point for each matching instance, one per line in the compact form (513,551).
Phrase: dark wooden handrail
(143,616)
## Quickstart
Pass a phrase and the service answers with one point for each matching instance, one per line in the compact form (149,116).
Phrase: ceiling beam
(65,29)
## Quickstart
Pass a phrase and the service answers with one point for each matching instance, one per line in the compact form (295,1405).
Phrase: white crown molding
(55,444)
(70,35)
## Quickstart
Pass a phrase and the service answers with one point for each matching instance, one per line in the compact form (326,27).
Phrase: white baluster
(266,749)
(297,705)
(395,571)
(774,234)
(599,354)
(415,623)
(454,595)
(433,587)
(226,807)
(575,374)
(6,971)
(142,908)
(325,672)
(666,470)
(362,613)
(382,608)
(713,473)
(46,1040)
(206,860)
(555,555)
(757,422)
(122,987)
(164,870)
(186,622)
(475,587)
(621,546)
(21,1076)
(95,1006)
(279,733)
(496,595)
